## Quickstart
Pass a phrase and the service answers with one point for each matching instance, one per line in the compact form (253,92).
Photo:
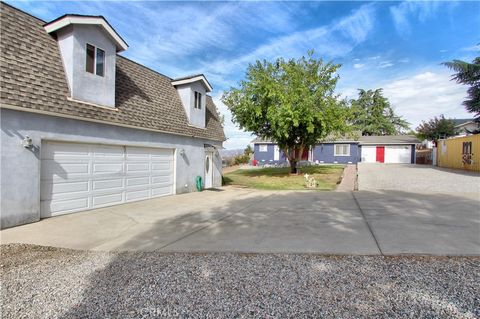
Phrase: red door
(305,155)
(380,154)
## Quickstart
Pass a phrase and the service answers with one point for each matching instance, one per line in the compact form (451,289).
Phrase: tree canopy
(468,74)
(289,101)
(371,114)
(438,127)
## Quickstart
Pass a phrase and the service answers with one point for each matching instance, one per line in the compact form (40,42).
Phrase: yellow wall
(449,152)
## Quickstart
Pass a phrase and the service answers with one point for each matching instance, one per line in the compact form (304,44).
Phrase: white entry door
(208,169)
(77,177)
(398,154)
(276,153)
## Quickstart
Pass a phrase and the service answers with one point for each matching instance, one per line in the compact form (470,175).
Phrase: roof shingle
(32,77)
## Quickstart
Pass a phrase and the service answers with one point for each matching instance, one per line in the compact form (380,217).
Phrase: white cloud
(407,10)
(336,39)
(425,95)
(404,60)
(472,48)
(358,65)
(385,64)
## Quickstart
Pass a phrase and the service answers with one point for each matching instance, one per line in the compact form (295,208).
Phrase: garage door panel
(101,175)
(137,167)
(108,199)
(161,166)
(398,154)
(137,194)
(65,206)
(138,181)
(100,168)
(368,154)
(161,191)
(107,184)
(63,170)
(107,152)
(64,150)
(50,188)
(161,179)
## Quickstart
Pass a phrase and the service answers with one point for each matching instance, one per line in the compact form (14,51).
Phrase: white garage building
(83,127)
(388,149)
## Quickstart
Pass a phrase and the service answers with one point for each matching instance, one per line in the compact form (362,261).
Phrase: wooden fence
(460,152)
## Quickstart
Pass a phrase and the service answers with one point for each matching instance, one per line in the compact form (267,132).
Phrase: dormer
(192,91)
(88,46)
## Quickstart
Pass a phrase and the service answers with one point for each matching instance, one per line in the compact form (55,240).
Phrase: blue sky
(397,46)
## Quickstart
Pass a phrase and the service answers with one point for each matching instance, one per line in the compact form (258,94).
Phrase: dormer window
(95,60)
(198,100)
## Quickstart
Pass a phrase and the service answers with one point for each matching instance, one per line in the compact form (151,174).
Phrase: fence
(460,152)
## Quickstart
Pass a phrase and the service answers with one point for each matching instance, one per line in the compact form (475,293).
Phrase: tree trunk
(293,167)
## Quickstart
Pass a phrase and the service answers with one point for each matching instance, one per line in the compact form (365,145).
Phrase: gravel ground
(43,282)
(416,178)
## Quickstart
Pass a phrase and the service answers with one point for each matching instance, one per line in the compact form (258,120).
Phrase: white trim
(382,144)
(23,109)
(57,25)
(335,149)
(194,79)
(260,148)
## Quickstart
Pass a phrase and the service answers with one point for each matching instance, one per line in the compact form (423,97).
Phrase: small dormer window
(95,60)
(198,100)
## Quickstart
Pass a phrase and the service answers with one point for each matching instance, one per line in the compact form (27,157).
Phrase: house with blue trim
(366,149)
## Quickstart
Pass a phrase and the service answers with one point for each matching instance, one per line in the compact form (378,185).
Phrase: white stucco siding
(85,86)
(196,117)
(20,167)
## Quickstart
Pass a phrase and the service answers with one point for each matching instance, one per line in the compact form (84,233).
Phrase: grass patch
(279,178)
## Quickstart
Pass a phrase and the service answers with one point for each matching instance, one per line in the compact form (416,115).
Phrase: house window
(198,100)
(95,62)
(263,148)
(342,150)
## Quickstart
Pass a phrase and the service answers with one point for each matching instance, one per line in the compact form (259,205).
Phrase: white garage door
(369,154)
(76,177)
(398,154)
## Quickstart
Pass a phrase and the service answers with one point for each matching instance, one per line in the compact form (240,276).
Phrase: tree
(438,127)
(248,150)
(468,74)
(373,115)
(289,101)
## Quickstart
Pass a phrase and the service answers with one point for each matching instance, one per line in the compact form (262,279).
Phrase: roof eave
(62,22)
(200,78)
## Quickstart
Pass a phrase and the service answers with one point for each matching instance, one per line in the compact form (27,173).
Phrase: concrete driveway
(416,178)
(239,220)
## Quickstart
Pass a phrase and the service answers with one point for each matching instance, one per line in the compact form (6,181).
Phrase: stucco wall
(187,95)
(325,152)
(268,156)
(85,86)
(20,167)
(412,154)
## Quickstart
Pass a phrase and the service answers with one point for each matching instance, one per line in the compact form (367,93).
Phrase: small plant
(310,181)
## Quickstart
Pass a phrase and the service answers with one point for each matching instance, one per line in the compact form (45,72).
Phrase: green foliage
(438,127)
(372,114)
(248,150)
(291,102)
(241,159)
(468,74)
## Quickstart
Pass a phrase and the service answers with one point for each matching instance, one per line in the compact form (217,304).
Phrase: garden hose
(199,183)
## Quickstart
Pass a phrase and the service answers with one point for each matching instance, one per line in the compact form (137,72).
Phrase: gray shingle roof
(459,122)
(32,78)
(379,139)
(389,139)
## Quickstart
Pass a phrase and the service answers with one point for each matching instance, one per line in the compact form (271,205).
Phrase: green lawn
(273,178)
